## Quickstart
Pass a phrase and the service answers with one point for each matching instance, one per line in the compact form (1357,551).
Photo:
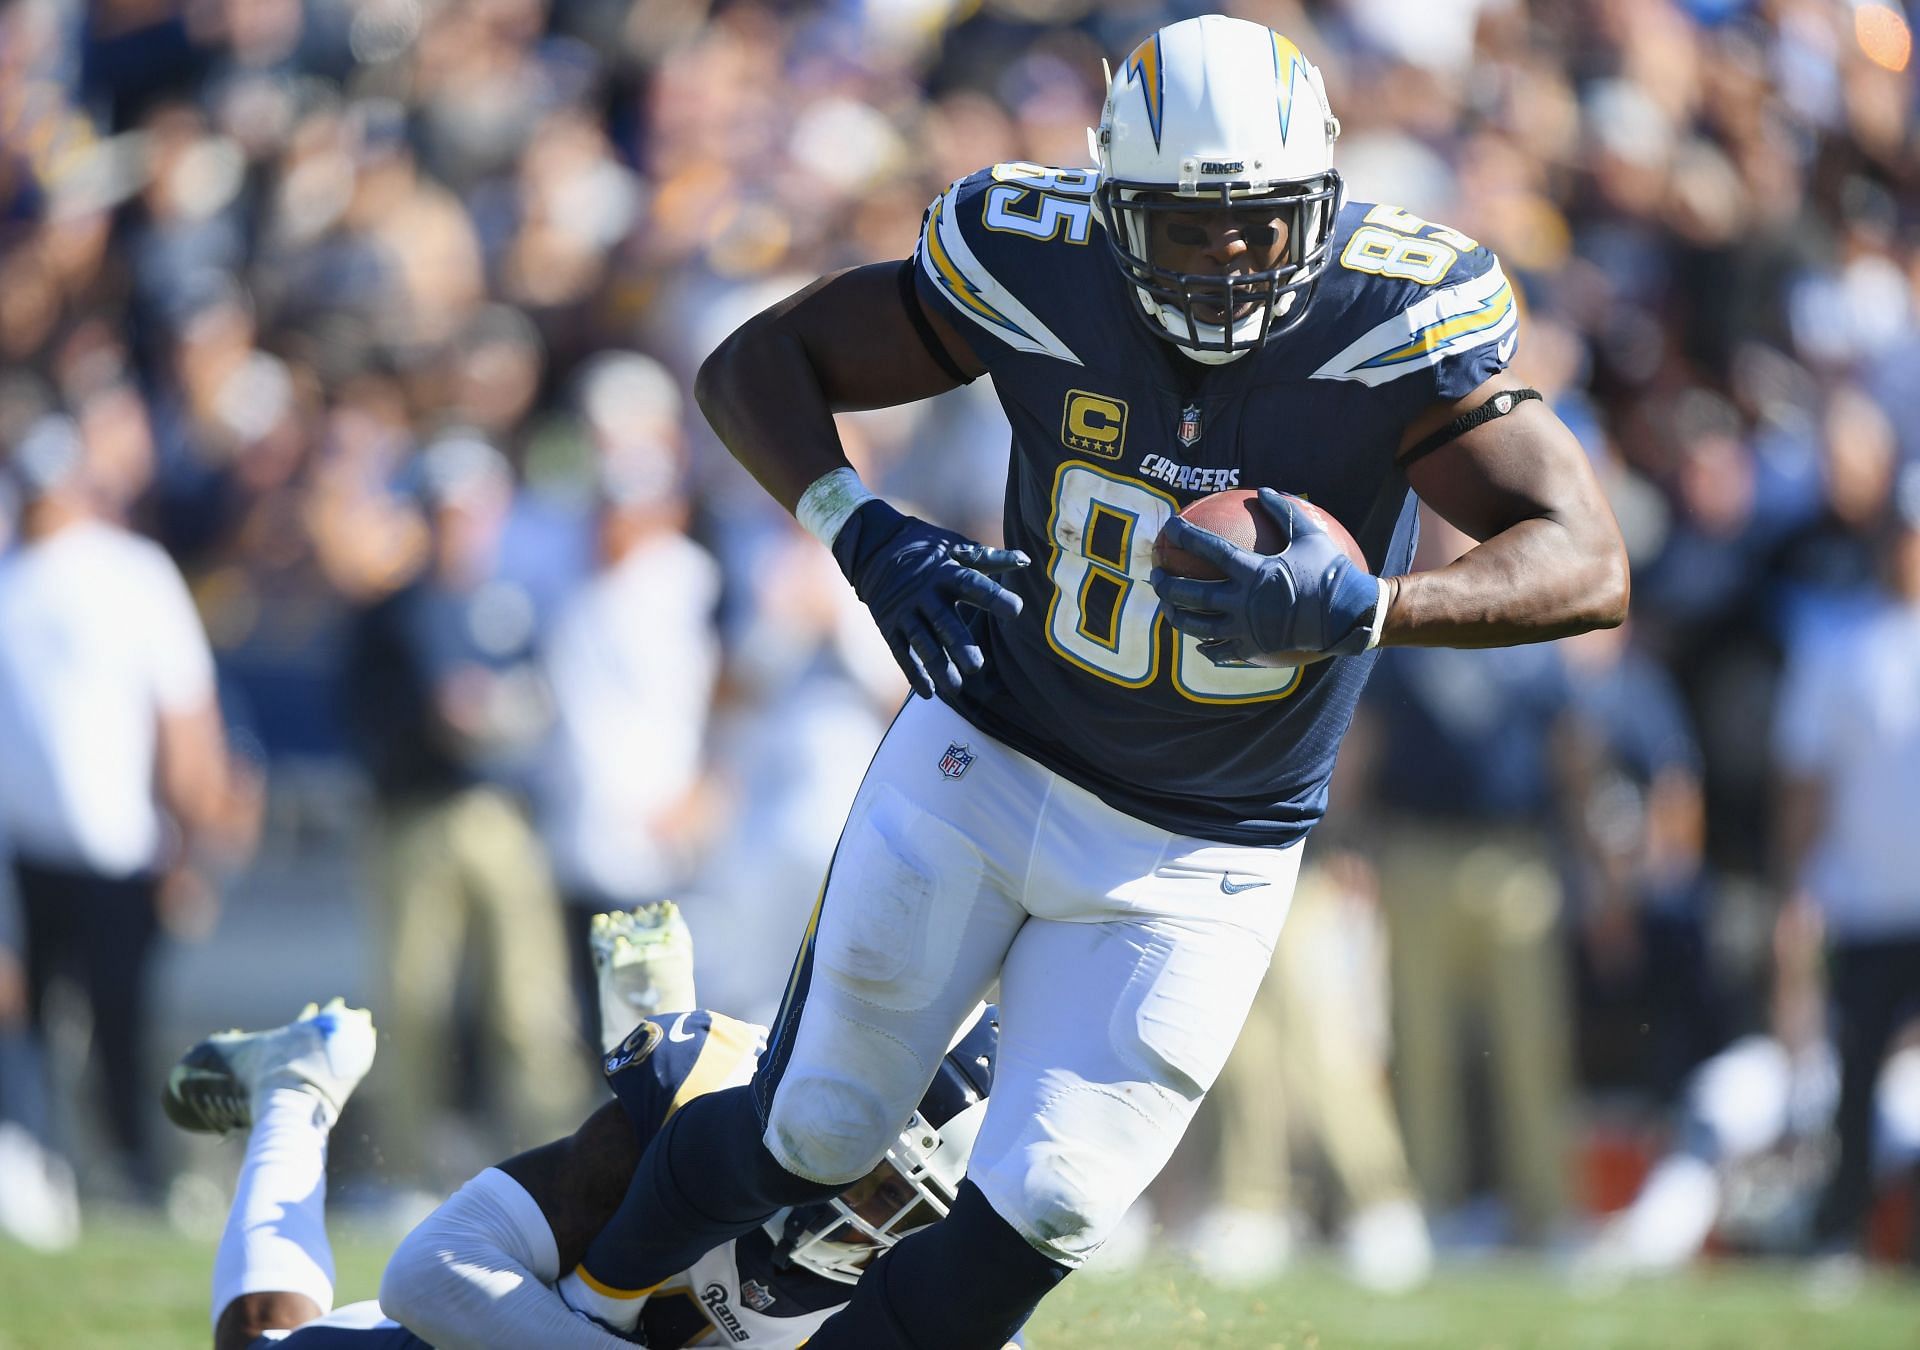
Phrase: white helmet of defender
(1210,113)
(917,1180)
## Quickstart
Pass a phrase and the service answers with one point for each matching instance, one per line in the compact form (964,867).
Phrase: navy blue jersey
(1114,431)
(667,1061)
(358,1326)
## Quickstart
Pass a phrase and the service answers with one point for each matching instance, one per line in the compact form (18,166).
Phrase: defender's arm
(578,1181)
(848,341)
(478,1271)
(1550,560)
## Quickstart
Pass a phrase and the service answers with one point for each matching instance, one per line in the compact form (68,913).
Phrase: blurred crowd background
(379,317)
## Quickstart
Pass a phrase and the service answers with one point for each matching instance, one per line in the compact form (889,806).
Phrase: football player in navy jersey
(1100,803)
(485,1269)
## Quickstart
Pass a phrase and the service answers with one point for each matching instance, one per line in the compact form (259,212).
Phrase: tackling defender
(1104,806)
(479,1272)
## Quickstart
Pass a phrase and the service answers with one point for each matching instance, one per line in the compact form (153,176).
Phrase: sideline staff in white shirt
(112,729)
(632,661)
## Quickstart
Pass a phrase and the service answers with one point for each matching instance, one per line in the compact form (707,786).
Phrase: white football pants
(1127,959)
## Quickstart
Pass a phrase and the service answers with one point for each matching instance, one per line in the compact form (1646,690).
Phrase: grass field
(145,1289)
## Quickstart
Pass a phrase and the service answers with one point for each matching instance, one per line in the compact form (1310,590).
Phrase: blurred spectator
(296,240)
(1634,822)
(1848,741)
(39,1200)
(1462,793)
(116,787)
(445,704)
(632,661)
(1754,1143)
(1310,1068)
(810,690)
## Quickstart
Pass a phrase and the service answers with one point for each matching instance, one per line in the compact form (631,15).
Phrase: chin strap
(1156,316)
(1206,356)
(1211,356)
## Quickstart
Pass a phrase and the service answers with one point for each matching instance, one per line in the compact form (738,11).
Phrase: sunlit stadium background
(268,253)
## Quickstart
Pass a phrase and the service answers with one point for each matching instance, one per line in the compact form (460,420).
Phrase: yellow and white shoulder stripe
(1448,321)
(977,293)
(726,1060)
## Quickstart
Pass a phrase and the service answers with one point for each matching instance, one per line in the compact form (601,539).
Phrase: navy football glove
(913,576)
(1309,597)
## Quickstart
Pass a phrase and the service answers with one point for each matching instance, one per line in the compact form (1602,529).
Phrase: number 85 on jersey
(1105,618)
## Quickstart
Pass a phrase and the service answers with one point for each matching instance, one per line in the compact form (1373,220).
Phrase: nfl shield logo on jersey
(955,761)
(756,1296)
(1189,431)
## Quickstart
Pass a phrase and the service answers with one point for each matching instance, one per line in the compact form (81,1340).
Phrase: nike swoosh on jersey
(1231,887)
(679,1031)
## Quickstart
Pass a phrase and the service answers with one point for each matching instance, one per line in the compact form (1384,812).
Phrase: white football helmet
(1209,113)
(914,1184)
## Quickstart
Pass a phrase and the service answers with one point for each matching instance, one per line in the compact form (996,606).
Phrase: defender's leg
(910,931)
(285,1087)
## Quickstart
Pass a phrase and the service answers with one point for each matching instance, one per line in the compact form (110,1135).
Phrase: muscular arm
(477,1274)
(214,799)
(1549,561)
(578,1181)
(844,343)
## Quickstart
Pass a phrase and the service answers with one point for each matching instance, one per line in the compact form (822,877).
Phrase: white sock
(276,1233)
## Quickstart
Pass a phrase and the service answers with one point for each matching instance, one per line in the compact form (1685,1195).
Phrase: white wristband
(1379,623)
(827,503)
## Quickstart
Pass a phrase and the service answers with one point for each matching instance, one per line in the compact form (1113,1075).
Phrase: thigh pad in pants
(908,937)
(1111,1035)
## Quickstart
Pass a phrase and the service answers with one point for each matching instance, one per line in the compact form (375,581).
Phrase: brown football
(1237,516)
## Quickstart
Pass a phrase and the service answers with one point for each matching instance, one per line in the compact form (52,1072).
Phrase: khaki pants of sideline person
(1474,917)
(1312,1050)
(470,860)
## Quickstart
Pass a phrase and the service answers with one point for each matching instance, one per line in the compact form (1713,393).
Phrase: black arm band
(910,298)
(1499,405)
